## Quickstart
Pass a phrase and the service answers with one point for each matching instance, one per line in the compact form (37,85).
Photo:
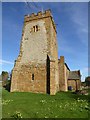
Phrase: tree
(5,76)
(87,81)
(0,78)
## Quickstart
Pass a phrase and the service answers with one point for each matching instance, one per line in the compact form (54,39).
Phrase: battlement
(39,15)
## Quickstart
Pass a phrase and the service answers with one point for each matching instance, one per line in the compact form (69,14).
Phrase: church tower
(36,68)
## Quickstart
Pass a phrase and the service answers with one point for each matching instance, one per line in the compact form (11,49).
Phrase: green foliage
(83,84)
(31,105)
(87,81)
(5,76)
(0,78)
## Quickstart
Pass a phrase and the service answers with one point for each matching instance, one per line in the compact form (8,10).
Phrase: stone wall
(75,84)
(34,44)
(22,78)
(63,74)
(53,55)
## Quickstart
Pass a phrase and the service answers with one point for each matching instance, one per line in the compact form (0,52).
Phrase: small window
(35,28)
(32,76)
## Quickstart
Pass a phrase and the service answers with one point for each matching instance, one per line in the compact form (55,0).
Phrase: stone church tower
(36,68)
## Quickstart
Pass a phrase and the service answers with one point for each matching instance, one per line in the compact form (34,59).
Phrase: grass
(31,105)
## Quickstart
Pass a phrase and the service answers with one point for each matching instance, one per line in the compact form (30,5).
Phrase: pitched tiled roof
(74,75)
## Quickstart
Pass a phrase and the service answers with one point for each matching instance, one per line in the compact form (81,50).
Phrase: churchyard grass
(33,105)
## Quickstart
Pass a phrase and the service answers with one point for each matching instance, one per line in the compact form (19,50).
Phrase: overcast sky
(71,20)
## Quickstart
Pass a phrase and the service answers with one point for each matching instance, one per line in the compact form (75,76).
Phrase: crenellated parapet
(39,15)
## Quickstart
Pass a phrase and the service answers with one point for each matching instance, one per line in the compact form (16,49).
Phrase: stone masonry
(63,74)
(37,68)
(68,78)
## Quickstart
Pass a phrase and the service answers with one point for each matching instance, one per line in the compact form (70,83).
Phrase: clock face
(34,43)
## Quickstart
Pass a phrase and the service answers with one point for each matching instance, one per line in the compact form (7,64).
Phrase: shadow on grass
(80,96)
(72,95)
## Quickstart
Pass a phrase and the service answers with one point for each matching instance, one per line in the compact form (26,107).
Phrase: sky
(71,19)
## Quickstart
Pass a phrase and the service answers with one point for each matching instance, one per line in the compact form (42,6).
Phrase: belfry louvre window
(32,76)
(35,28)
